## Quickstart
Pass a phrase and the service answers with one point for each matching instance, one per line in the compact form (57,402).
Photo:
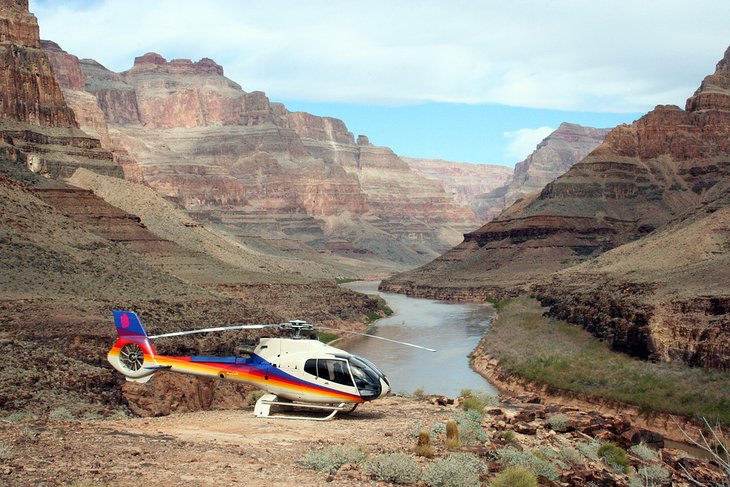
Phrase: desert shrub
(644,452)
(558,422)
(438,428)
(570,456)
(332,458)
(477,400)
(614,457)
(589,450)
(653,474)
(457,470)
(397,468)
(470,426)
(419,394)
(61,414)
(20,416)
(515,476)
(453,442)
(6,453)
(252,397)
(507,435)
(423,445)
(512,457)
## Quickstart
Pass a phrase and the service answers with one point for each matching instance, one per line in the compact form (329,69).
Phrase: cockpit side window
(329,369)
(310,366)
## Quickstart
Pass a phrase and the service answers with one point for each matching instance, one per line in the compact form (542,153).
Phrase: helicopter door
(330,370)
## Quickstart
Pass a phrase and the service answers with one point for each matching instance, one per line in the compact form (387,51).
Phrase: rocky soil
(231,447)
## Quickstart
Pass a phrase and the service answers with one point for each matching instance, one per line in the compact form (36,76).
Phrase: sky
(473,81)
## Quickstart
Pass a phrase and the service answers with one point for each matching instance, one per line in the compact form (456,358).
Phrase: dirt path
(204,448)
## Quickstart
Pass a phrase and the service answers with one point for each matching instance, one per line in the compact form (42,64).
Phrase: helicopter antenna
(209,330)
(379,338)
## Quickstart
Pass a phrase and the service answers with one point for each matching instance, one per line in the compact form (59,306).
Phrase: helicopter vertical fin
(133,355)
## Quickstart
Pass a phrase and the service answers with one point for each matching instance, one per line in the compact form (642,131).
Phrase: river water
(454,330)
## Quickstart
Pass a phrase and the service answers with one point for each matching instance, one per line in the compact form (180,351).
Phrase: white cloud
(563,54)
(522,142)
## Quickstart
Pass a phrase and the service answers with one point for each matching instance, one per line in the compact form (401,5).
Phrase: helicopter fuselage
(294,369)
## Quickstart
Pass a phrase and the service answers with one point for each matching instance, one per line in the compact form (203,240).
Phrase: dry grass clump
(332,458)
(453,442)
(515,476)
(424,448)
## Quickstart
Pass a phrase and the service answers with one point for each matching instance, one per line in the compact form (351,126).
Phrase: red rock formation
(196,136)
(670,167)
(462,180)
(28,89)
(557,153)
(34,119)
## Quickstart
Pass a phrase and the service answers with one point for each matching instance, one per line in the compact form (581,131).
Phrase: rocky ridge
(557,153)
(237,160)
(668,170)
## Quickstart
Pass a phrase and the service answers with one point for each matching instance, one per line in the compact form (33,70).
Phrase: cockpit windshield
(367,377)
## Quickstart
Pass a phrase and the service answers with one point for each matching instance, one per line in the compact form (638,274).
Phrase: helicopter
(293,372)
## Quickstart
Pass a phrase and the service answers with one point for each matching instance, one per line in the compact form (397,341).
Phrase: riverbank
(526,352)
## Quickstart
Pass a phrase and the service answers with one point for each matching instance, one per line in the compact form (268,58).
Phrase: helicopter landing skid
(263,408)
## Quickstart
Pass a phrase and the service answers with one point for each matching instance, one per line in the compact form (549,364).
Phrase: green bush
(589,450)
(470,426)
(614,457)
(397,468)
(507,435)
(558,422)
(644,452)
(332,458)
(515,476)
(477,400)
(457,470)
(512,457)
(571,456)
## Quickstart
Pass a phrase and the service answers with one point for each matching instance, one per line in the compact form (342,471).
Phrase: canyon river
(454,330)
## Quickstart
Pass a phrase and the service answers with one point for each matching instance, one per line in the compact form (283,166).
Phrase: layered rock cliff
(463,181)
(253,168)
(666,170)
(38,128)
(557,153)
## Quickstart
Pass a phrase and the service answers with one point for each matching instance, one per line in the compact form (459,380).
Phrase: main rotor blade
(209,330)
(379,338)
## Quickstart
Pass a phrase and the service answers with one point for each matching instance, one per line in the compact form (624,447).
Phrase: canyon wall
(668,170)
(254,169)
(37,128)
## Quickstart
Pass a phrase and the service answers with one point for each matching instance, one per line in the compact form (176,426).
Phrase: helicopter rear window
(329,369)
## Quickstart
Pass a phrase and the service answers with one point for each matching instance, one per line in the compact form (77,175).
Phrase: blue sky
(475,81)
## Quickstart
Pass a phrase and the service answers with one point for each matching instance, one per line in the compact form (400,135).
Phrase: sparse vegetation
(470,426)
(457,470)
(566,357)
(652,475)
(477,400)
(453,442)
(571,456)
(558,422)
(589,450)
(6,453)
(615,457)
(397,468)
(61,414)
(332,458)
(515,476)
(326,336)
(419,394)
(424,448)
(507,435)
(498,304)
(252,397)
(512,457)
(644,452)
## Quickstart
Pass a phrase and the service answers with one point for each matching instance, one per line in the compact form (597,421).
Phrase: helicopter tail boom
(133,355)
